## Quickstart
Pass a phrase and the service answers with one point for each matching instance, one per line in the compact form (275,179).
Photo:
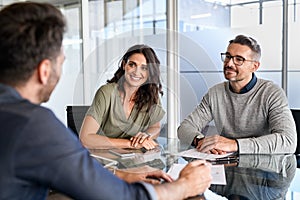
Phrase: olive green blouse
(107,110)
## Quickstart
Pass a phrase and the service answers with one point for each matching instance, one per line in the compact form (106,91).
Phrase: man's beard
(47,90)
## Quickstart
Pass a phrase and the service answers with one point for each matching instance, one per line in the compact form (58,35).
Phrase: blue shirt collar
(248,87)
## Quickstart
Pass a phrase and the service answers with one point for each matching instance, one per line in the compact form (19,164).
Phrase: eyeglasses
(237,60)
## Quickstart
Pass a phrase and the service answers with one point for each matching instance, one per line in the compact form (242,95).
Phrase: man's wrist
(196,139)
(237,146)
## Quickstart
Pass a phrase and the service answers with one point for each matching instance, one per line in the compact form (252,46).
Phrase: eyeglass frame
(233,59)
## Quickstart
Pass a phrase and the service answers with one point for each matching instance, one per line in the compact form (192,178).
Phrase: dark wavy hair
(148,93)
(30,32)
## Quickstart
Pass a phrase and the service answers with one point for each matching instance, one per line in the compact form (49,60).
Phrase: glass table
(261,177)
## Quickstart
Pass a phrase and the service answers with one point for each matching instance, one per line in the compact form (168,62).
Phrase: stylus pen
(109,165)
(228,158)
(225,160)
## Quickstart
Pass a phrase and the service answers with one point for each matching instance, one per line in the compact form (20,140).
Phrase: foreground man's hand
(194,179)
(146,173)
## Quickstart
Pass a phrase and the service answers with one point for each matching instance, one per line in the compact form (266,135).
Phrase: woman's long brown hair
(148,93)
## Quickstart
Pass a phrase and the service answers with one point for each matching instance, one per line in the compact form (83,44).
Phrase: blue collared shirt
(248,87)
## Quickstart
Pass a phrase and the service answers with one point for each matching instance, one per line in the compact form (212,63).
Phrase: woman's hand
(143,139)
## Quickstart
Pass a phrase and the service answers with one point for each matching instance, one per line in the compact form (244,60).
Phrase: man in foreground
(251,115)
(37,151)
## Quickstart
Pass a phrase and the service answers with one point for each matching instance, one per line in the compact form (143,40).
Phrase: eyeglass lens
(238,60)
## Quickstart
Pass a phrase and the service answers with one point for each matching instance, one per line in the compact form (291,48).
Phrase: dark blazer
(38,152)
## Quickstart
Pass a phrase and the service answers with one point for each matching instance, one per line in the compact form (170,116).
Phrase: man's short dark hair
(250,42)
(30,32)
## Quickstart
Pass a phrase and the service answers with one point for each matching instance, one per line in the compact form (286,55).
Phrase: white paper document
(210,195)
(217,173)
(194,153)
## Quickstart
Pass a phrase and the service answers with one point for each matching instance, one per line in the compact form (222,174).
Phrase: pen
(227,158)
(109,165)
(223,162)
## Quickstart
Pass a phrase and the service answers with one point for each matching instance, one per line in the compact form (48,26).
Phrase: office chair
(296,115)
(75,116)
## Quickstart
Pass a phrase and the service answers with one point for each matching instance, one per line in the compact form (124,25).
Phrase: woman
(126,112)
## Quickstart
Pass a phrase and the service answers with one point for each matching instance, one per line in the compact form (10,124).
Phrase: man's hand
(195,178)
(217,144)
(146,173)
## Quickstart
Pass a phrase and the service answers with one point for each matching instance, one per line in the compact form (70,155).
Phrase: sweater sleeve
(194,123)
(282,137)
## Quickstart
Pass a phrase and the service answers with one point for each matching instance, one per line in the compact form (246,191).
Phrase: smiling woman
(126,112)
(136,74)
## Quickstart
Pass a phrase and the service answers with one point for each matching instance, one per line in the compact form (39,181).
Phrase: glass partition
(204,30)
(209,25)
(69,90)
(293,54)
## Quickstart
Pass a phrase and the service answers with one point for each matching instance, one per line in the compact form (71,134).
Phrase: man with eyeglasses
(251,115)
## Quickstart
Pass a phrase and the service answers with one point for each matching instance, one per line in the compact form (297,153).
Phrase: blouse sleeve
(157,113)
(99,105)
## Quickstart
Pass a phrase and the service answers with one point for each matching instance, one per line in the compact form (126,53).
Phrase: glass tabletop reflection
(253,177)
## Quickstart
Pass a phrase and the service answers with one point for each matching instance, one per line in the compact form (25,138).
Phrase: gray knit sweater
(260,119)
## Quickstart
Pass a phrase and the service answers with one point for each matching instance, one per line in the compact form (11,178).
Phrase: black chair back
(75,116)
(296,115)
